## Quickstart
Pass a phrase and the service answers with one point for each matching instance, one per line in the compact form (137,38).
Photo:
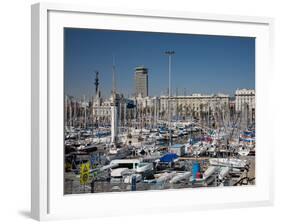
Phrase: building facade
(102,109)
(194,104)
(141,81)
(245,104)
(244,96)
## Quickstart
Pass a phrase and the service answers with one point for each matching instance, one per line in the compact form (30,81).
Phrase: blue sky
(201,64)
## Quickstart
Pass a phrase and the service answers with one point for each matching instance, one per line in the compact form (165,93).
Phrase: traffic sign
(84,173)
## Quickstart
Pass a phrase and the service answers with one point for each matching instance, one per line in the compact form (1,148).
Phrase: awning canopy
(168,158)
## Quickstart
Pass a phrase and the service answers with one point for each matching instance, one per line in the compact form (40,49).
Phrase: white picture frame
(48,201)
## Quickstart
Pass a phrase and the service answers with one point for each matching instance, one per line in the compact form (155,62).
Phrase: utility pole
(170,53)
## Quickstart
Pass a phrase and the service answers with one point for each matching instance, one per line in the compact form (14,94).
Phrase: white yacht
(223,172)
(243,151)
(210,171)
(229,162)
(144,167)
(181,176)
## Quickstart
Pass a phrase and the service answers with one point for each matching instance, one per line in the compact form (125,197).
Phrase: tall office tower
(141,81)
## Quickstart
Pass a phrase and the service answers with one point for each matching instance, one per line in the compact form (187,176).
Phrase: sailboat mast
(70,113)
(65,111)
(85,112)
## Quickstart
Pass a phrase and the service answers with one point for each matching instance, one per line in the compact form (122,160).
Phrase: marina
(121,139)
(165,155)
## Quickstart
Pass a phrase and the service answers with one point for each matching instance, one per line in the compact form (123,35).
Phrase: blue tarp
(168,158)
(247,139)
(249,133)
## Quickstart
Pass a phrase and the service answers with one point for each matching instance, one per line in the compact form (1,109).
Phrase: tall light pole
(113,106)
(169,53)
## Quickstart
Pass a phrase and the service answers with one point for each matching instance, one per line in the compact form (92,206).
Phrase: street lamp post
(169,53)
